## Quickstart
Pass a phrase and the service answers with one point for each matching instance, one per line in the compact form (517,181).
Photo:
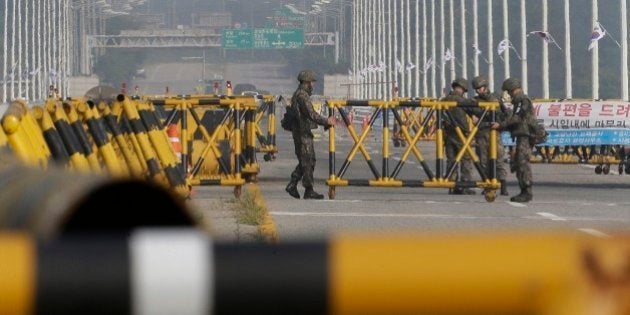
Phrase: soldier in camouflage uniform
(308,119)
(482,139)
(518,126)
(452,142)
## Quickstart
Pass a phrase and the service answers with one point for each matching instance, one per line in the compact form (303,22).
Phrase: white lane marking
(338,201)
(594,232)
(374,215)
(516,204)
(550,216)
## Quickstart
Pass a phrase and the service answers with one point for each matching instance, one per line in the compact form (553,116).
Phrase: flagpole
(355,48)
(595,55)
(358,51)
(372,47)
(433,51)
(4,52)
(506,35)
(19,36)
(389,60)
(475,38)
(381,55)
(464,44)
(13,62)
(545,50)
(408,73)
(567,51)
(363,27)
(451,28)
(442,46)
(395,68)
(490,47)
(404,23)
(524,62)
(624,50)
(417,50)
(425,86)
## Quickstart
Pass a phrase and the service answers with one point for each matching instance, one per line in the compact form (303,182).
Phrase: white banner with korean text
(583,114)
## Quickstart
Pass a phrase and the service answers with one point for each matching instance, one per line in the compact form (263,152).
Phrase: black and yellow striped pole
(95,125)
(163,149)
(184,272)
(77,157)
(131,159)
(77,126)
(53,139)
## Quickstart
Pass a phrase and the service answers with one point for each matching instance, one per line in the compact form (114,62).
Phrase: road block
(235,111)
(497,273)
(439,177)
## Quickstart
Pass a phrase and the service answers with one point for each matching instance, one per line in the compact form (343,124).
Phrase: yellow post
(84,142)
(77,158)
(131,160)
(478,274)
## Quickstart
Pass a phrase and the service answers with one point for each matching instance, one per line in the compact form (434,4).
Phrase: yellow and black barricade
(437,178)
(236,110)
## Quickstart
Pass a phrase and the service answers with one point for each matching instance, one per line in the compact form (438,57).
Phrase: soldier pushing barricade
(456,118)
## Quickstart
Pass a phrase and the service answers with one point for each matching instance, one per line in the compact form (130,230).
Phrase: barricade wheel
(267,157)
(606,169)
(396,143)
(237,191)
(598,169)
(490,195)
(332,193)
(620,168)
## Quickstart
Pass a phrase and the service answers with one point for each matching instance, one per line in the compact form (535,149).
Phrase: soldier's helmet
(511,84)
(479,82)
(461,82)
(307,76)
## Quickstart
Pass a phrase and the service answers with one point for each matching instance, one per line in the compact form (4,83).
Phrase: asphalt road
(566,197)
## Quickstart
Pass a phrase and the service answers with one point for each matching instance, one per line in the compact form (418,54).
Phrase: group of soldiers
(515,120)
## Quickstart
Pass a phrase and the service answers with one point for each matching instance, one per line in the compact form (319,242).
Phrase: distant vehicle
(242,87)
(141,73)
(249,93)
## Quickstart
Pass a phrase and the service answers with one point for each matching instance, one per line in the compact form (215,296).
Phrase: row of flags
(598,33)
(26,73)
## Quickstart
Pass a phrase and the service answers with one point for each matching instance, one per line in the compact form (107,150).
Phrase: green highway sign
(263,38)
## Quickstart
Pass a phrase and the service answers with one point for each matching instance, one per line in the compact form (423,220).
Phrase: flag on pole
(410,66)
(477,50)
(546,36)
(504,45)
(399,66)
(381,66)
(428,64)
(448,56)
(597,34)
(34,72)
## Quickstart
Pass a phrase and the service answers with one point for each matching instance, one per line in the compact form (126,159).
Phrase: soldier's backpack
(537,132)
(289,120)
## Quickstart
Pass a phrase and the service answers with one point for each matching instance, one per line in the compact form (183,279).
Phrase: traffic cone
(173,136)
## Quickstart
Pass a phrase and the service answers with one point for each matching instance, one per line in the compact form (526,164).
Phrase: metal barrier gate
(436,178)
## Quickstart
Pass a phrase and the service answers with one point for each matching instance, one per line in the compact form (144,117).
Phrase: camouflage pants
(452,147)
(483,144)
(520,162)
(305,152)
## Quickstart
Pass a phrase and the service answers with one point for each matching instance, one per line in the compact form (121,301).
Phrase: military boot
(504,191)
(524,196)
(311,194)
(292,190)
